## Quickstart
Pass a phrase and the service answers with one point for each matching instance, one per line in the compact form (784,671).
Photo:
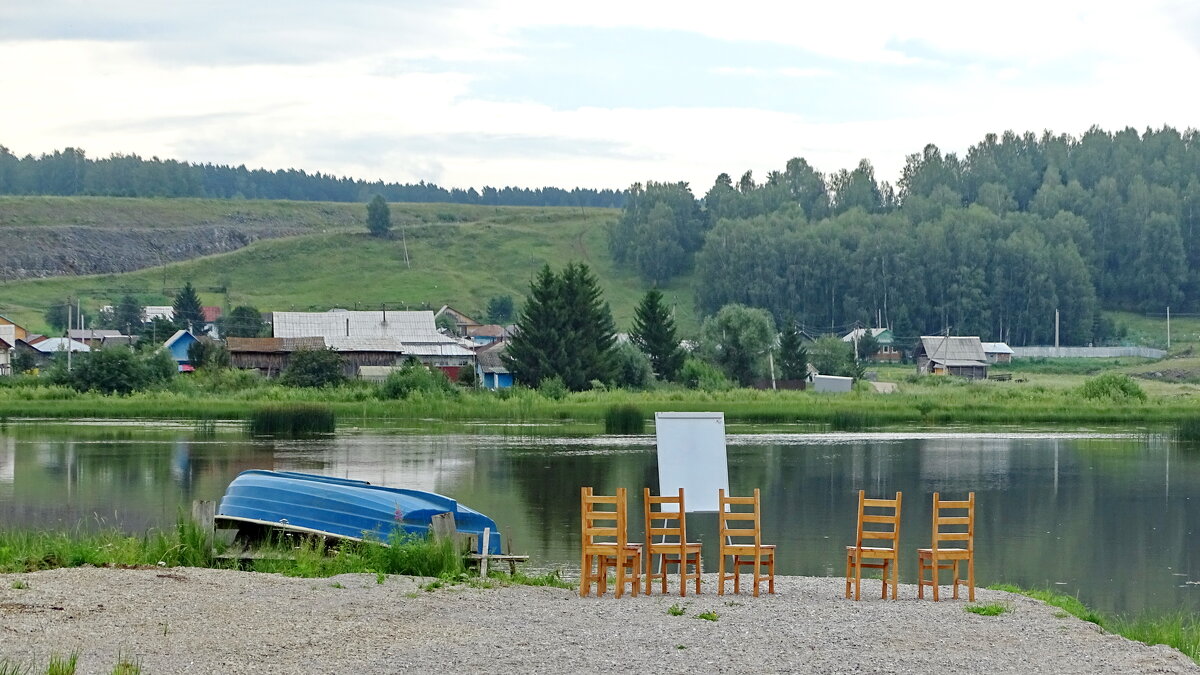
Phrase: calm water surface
(1107,517)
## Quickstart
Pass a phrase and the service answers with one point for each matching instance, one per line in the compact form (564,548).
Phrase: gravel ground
(186,620)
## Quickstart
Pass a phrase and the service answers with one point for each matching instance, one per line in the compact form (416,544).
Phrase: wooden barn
(961,356)
(269,356)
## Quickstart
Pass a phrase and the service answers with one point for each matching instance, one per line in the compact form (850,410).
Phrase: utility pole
(1168,328)
(1056,331)
(69,334)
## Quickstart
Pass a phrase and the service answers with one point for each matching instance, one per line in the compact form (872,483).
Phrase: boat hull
(346,508)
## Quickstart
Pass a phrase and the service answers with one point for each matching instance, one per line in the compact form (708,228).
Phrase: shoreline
(182,619)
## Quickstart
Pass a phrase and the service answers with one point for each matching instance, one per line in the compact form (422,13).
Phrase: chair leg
(955,579)
(848,559)
(884,578)
(721,575)
(737,575)
(771,579)
(971,577)
(895,577)
(585,576)
(933,563)
(857,577)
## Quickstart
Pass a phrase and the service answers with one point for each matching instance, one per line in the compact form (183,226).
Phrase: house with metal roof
(178,345)
(44,351)
(998,352)
(489,366)
(961,356)
(886,351)
(269,356)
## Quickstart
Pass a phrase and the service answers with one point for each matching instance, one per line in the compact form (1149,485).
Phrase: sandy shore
(186,620)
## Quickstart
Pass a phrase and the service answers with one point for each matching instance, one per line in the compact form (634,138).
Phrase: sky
(469,93)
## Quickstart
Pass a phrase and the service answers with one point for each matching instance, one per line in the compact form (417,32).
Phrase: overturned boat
(343,508)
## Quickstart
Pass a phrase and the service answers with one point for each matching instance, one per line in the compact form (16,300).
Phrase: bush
(697,374)
(553,387)
(633,370)
(1112,386)
(115,371)
(413,378)
(313,368)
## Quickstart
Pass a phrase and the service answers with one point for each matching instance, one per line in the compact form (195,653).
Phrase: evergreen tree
(565,330)
(379,218)
(500,309)
(793,357)
(242,322)
(128,315)
(654,333)
(188,314)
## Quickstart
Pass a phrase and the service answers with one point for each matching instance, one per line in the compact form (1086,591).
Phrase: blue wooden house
(178,345)
(490,368)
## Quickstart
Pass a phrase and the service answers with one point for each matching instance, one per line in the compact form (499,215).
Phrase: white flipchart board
(691,455)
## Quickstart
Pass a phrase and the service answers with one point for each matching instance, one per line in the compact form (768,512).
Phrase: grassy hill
(458,255)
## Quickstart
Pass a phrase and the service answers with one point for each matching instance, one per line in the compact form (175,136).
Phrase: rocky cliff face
(35,252)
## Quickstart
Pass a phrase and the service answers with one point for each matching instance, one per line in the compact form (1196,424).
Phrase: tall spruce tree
(565,329)
(793,357)
(654,333)
(188,314)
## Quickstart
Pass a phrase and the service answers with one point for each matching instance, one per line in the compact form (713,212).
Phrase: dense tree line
(71,172)
(989,244)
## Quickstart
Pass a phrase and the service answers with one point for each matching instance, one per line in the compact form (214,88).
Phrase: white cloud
(388,90)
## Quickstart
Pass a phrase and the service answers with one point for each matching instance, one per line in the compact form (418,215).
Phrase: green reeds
(624,418)
(850,420)
(292,420)
(1187,430)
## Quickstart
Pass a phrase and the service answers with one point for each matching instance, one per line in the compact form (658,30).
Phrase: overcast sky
(466,93)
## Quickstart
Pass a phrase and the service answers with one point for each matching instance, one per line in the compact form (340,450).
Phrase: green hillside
(459,255)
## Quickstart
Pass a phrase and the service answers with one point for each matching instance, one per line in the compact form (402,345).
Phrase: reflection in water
(1093,515)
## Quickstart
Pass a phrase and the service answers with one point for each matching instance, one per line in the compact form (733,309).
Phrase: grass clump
(19,585)
(850,420)
(675,610)
(708,616)
(413,378)
(292,420)
(990,609)
(1113,387)
(1188,429)
(62,665)
(551,579)
(624,418)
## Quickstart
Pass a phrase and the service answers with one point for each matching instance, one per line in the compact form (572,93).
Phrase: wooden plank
(483,562)
(443,526)
(204,514)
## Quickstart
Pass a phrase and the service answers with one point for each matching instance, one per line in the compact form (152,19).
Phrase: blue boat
(339,507)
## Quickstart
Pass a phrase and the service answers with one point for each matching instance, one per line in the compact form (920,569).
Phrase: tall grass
(420,556)
(624,418)
(1187,429)
(293,420)
(1178,630)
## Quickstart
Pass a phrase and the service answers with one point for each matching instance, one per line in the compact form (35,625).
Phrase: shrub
(633,369)
(413,378)
(697,374)
(1112,386)
(553,387)
(313,368)
(115,371)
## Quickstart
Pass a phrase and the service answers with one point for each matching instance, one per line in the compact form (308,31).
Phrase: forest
(988,244)
(70,172)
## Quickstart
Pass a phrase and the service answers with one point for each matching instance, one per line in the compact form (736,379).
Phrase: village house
(414,333)
(886,351)
(489,366)
(92,337)
(463,323)
(6,357)
(961,356)
(45,350)
(178,345)
(10,331)
(997,352)
(489,333)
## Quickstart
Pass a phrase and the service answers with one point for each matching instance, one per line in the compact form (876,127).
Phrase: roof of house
(443,349)
(489,359)
(162,311)
(59,344)
(119,340)
(364,344)
(962,351)
(5,345)
(996,348)
(857,333)
(409,327)
(179,335)
(91,333)
(210,313)
(273,345)
(488,330)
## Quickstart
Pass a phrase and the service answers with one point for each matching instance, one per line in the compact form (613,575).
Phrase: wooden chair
(889,531)
(938,557)
(756,555)
(606,544)
(673,547)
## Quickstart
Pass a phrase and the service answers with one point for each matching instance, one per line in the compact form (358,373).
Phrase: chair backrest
(603,526)
(949,527)
(673,522)
(727,517)
(884,520)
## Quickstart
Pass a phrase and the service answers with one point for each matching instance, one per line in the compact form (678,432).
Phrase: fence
(1086,352)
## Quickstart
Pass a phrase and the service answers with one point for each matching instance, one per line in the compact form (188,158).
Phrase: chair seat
(872,552)
(738,549)
(944,553)
(674,547)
